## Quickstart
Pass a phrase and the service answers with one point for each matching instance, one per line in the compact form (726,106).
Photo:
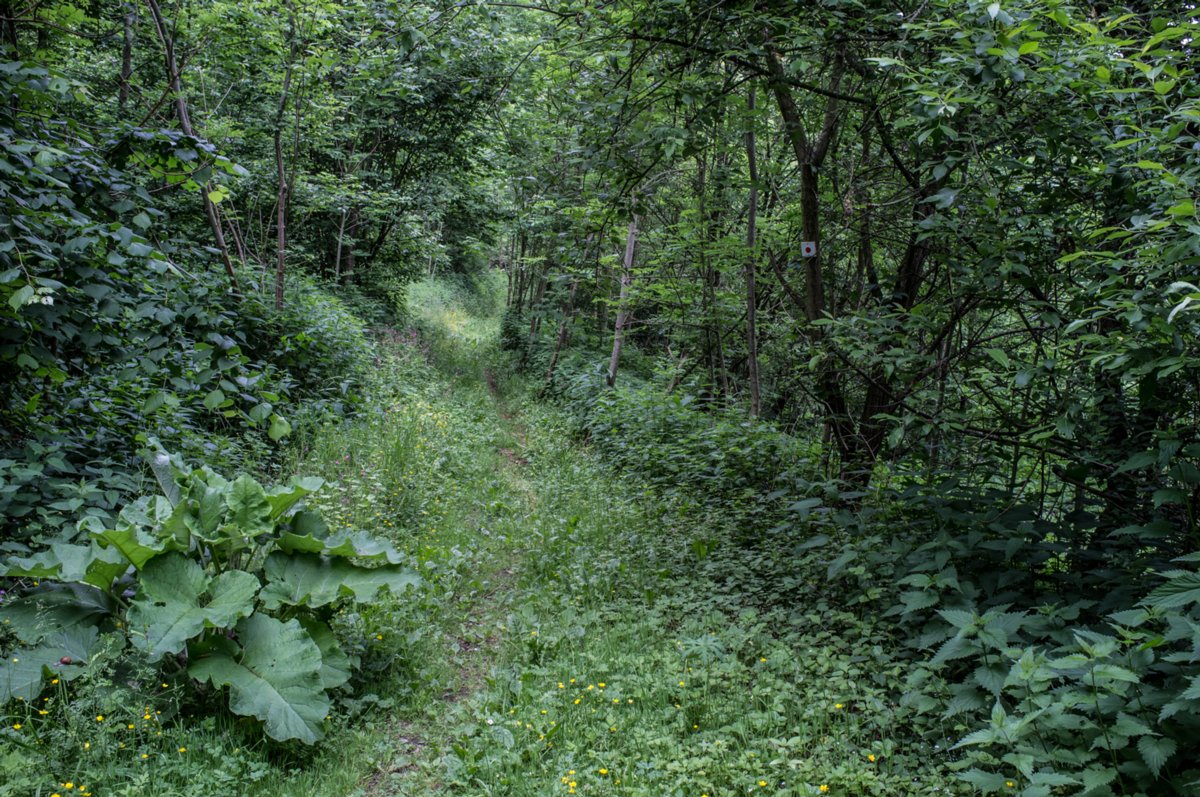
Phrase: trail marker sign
(808,248)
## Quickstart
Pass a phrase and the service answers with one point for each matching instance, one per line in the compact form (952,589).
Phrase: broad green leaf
(358,545)
(280,428)
(276,678)
(134,544)
(336,666)
(21,297)
(21,673)
(1176,593)
(178,600)
(36,616)
(306,579)
(249,509)
(284,498)
(1156,751)
(61,655)
(999,356)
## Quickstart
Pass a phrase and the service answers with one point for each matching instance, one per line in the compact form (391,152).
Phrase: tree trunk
(283,190)
(563,328)
(622,303)
(185,123)
(126,57)
(337,255)
(752,264)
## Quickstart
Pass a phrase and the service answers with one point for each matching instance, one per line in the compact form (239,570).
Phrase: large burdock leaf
(305,579)
(61,655)
(178,600)
(86,564)
(249,510)
(282,498)
(276,677)
(336,666)
(361,546)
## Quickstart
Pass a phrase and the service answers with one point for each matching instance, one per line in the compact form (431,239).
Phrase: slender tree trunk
(337,257)
(8,27)
(175,83)
(283,189)
(752,264)
(564,323)
(351,258)
(126,56)
(623,302)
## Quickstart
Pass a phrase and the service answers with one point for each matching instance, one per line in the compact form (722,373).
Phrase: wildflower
(871,758)
(837,705)
(87,745)
(571,784)
(129,727)
(1009,784)
(165,686)
(560,685)
(54,681)
(16,726)
(145,756)
(681,683)
(762,784)
(577,701)
(379,636)
(183,749)
(824,788)
(99,718)
(601,684)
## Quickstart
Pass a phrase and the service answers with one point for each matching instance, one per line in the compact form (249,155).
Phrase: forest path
(583,636)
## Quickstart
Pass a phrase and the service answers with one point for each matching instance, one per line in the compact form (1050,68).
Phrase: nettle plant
(224,581)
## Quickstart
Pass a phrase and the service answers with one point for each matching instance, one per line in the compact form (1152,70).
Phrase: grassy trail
(571,639)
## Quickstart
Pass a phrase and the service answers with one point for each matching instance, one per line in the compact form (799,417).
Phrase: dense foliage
(882,315)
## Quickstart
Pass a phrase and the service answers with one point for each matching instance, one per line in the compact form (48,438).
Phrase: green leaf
(214,399)
(41,615)
(1156,751)
(21,297)
(305,579)
(359,545)
(1027,48)
(134,544)
(178,600)
(999,356)
(21,673)
(282,499)
(88,564)
(336,666)
(1184,208)
(249,507)
(1176,593)
(280,428)
(276,678)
